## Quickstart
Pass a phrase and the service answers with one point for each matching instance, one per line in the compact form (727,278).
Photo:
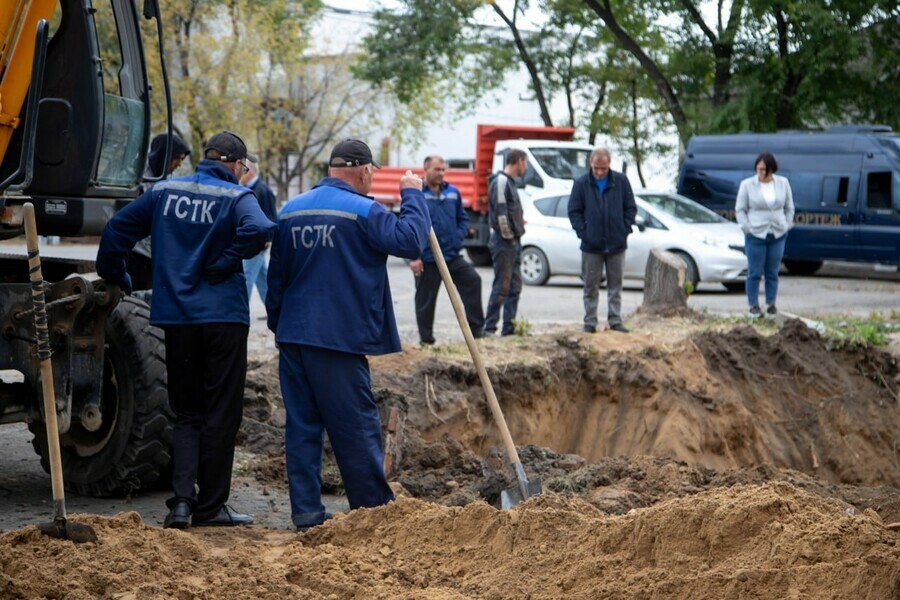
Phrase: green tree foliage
(251,66)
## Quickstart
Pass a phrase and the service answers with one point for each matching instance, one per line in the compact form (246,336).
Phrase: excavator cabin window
(120,161)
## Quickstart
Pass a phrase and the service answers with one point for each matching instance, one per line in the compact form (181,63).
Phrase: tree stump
(664,291)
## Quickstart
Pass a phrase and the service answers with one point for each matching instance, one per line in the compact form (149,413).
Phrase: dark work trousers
(507,257)
(207,366)
(428,284)
(326,390)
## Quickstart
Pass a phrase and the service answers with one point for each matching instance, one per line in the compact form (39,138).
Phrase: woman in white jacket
(765,211)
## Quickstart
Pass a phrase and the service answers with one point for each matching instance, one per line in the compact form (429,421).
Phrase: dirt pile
(718,407)
(771,541)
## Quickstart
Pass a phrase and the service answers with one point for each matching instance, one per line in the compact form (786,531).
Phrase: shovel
(59,527)
(524,488)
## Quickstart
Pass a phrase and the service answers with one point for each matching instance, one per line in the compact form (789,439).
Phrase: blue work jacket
(328,281)
(449,219)
(203,221)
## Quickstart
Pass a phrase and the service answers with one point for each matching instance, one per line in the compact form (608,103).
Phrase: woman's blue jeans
(763,260)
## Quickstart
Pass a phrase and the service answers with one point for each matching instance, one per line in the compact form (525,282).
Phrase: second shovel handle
(43,348)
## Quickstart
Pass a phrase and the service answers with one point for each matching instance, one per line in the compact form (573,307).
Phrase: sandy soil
(677,462)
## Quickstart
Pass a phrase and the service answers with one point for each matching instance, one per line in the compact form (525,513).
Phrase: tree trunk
(673,104)
(664,278)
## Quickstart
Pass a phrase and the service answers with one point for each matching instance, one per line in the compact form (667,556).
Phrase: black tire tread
(147,451)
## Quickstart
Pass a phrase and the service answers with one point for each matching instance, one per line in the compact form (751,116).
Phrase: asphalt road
(25,495)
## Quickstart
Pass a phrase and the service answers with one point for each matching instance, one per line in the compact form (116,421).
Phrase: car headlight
(715,241)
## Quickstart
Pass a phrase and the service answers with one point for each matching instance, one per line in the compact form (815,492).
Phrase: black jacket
(602,224)
(504,206)
(266,199)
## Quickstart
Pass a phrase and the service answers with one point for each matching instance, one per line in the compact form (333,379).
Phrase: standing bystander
(329,304)
(255,269)
(139,259)
(602,211)
(508,226)
(765,211)
(201,227)
(451,226)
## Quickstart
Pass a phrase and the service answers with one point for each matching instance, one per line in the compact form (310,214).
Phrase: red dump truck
(554,161)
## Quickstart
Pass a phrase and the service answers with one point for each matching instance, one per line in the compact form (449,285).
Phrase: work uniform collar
(216,169)
(338,183)
(427,190)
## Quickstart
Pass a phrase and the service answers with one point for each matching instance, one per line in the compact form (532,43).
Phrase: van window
(879,195)
(692,187)
(834,191)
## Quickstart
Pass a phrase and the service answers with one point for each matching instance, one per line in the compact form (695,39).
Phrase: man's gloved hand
(125,284)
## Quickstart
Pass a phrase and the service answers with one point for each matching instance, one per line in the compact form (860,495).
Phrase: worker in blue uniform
(329,305)
(201,228)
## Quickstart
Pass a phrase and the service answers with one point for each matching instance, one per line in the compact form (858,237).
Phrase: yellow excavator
(74,131)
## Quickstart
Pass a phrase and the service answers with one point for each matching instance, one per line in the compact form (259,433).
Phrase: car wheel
(735,286)
(535,267)
(690,274)
(803,267)
(480,257)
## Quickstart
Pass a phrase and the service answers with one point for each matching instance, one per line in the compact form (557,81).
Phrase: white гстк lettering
(310,235)
(188,209)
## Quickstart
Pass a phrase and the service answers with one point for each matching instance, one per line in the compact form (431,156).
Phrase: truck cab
(552,165)
(845,183)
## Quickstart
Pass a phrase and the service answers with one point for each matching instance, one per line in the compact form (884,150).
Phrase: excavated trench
(627,424)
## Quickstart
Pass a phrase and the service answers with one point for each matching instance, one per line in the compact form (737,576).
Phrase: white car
(711,247)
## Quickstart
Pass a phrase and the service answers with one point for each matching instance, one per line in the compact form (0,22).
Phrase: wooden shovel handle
(43,349)
(473,348)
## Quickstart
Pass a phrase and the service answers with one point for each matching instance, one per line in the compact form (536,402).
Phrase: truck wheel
(480,257)
(803,267)
(535,266)
(133,446)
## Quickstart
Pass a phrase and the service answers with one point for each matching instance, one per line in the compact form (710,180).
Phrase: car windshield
(681,208)
(562,163)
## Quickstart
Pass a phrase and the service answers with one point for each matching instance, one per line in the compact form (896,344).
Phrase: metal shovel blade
(68,530)
(512,496)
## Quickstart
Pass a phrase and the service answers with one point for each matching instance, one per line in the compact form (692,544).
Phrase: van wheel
(480,256)
(133,446)
(803,267)
(535,266)
(690,274)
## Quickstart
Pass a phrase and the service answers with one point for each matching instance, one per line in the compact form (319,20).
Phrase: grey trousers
(592,266)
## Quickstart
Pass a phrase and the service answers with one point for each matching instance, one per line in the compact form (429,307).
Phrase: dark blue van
(845,181)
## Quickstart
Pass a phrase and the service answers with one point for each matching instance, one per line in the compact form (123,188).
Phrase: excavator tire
(132,449)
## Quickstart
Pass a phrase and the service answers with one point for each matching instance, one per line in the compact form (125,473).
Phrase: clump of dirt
(770,541)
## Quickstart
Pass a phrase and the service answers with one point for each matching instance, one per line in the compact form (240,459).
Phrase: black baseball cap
(351,153)
(229,146)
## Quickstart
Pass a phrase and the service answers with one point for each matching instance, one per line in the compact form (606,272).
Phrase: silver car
(711,247)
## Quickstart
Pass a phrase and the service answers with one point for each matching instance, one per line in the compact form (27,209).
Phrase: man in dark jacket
(329,304)
(140,266)
(602,211)
(255,269)
(451,226)
(201,227)
(507,228)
